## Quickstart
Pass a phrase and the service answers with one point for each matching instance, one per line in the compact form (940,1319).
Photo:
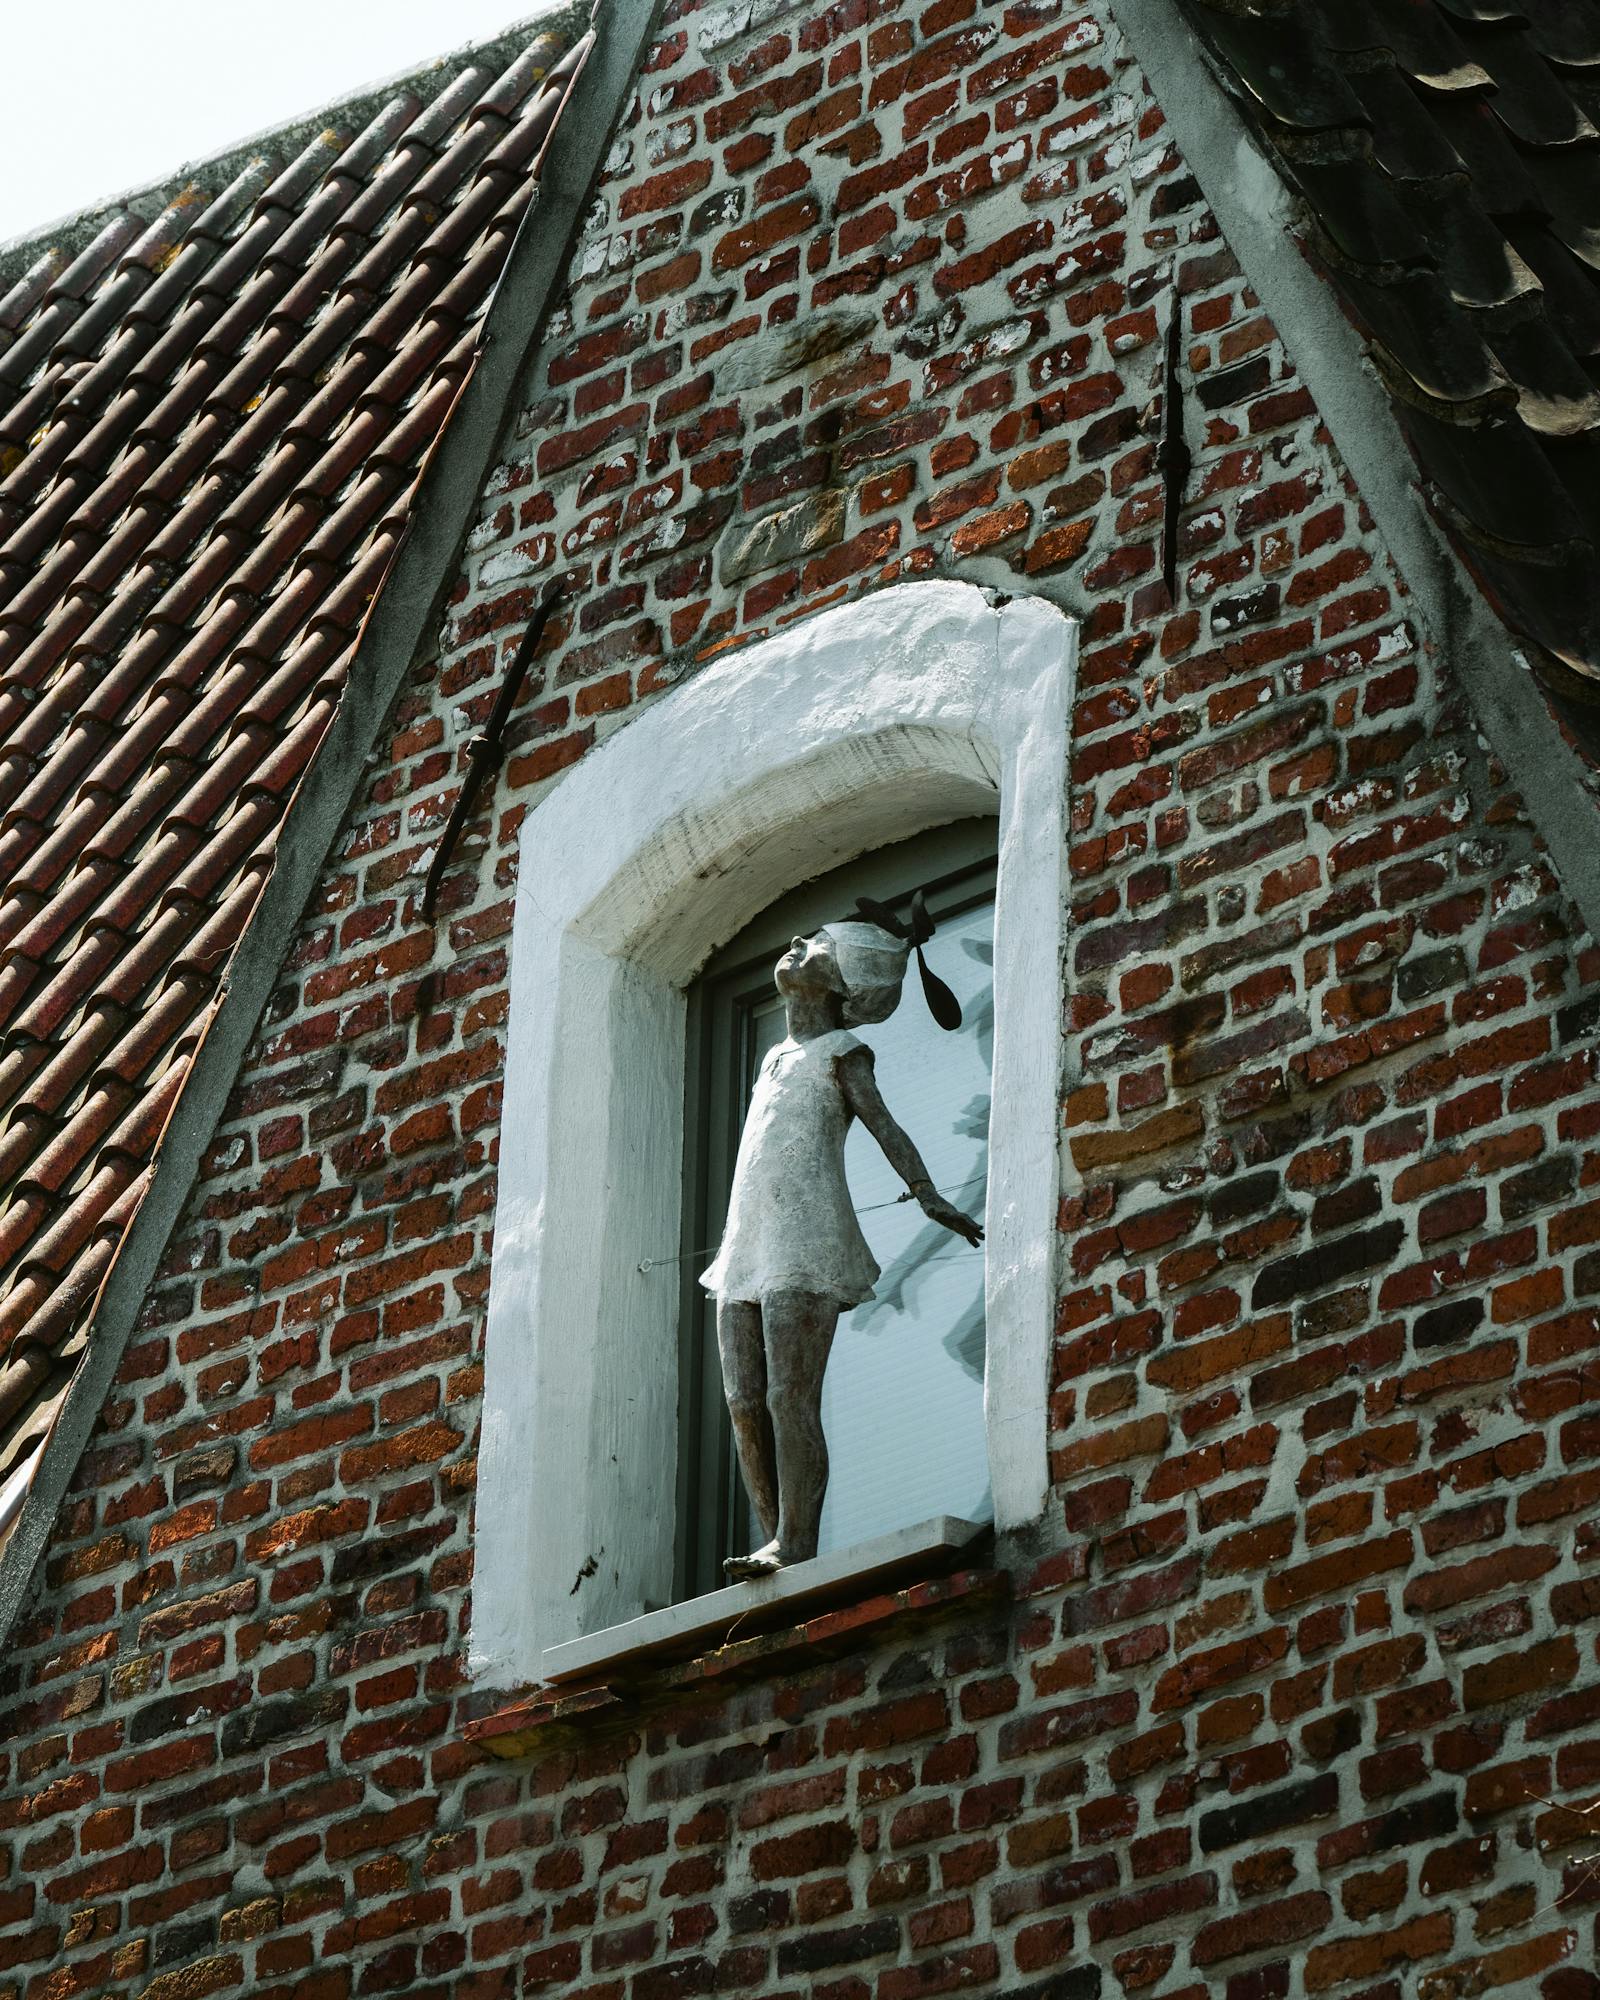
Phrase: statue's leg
(744,1383)
(799,1330)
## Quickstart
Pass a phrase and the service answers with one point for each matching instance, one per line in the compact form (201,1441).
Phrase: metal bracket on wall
(486,750)
(1172,454)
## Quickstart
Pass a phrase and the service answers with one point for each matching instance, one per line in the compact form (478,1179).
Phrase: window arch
(858,727)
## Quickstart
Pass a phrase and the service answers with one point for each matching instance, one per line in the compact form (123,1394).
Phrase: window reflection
(903,1397)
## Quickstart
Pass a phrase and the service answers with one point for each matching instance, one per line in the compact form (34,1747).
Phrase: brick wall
(1295,1692)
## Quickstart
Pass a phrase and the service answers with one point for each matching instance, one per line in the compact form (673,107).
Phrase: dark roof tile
(74,1224)
(1476,259)
(17,975)
(34,342)
(92,262)
(1284,71)
(55,1328)
(1554,393)
(96,960)
(1571,297)
(33,922)
(1531,99)
(1413,33)
(1447,153)
(1565,31)
(46,788)
(25,1217)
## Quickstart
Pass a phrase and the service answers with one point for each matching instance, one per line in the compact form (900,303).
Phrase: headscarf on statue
(871,951)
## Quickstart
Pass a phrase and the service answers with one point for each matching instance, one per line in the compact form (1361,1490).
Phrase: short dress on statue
(791,1224)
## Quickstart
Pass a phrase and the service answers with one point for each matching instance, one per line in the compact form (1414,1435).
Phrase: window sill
(714,1618)
(813,1605)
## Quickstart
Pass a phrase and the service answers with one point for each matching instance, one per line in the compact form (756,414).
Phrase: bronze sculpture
(793,1256)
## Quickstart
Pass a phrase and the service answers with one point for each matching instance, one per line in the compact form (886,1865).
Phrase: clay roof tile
(35,340)
(33,922)
(29,289)
(96,257)
(211,416)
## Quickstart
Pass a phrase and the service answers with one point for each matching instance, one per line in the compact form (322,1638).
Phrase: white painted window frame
(862,725)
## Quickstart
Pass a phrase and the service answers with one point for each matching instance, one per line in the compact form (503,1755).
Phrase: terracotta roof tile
(1448,156)
(212,416)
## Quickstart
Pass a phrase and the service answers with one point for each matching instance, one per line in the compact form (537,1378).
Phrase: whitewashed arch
(862,725)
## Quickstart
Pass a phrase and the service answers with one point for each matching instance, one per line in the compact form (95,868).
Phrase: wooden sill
(743,1628)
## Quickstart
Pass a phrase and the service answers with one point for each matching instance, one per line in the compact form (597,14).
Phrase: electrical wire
(648,1264)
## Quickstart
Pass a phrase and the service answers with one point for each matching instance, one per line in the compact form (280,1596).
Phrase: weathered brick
(1256,1930)
(868,295)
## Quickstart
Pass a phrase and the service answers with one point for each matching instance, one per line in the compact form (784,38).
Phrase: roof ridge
(72,232)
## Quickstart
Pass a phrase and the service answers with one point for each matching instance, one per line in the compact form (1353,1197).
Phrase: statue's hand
(937,1209)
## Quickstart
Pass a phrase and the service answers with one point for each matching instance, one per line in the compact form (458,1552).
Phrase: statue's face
(808,969)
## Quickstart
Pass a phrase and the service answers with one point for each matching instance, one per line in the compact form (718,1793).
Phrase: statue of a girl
(793,1255)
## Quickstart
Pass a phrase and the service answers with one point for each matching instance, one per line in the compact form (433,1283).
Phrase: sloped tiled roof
(212,420)
(1448,156)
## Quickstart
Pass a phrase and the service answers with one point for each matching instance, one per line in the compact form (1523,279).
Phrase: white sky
(104,95)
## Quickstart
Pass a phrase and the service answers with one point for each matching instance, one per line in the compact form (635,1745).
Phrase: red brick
(1291,1019)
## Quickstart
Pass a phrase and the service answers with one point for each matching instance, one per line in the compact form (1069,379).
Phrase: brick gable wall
(1305,1650)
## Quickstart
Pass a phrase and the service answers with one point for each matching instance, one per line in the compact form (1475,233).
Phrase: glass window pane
(902,1404)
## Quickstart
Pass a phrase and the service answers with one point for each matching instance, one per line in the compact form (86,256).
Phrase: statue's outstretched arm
(861,1093)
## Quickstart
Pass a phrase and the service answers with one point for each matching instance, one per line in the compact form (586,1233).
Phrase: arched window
(849,731)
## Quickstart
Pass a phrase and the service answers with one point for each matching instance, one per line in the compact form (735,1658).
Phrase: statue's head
(862,963)
(871,965)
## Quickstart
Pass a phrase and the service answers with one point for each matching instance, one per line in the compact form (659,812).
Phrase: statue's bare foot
(759,1562)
